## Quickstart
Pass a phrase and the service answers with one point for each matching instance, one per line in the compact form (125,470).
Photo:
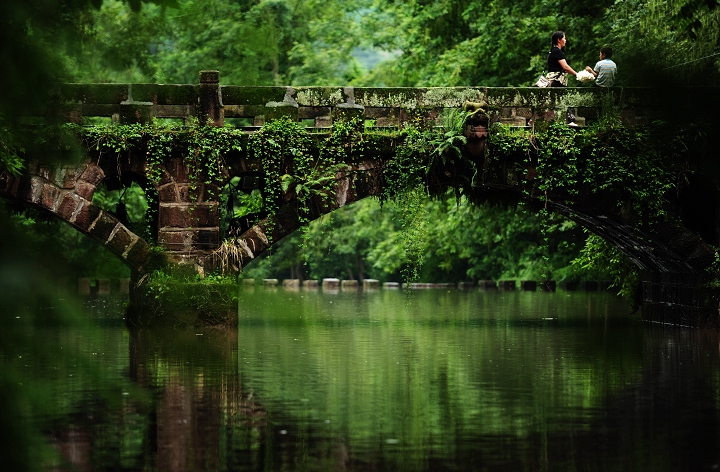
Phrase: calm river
(445,380)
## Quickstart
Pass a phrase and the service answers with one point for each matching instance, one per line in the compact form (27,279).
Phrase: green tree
(496,43)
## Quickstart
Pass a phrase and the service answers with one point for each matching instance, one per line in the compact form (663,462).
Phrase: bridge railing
(250,107)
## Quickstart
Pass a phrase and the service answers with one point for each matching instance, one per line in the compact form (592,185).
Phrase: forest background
(409,43)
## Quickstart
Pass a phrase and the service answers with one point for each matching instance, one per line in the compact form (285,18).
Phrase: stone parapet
(390,106)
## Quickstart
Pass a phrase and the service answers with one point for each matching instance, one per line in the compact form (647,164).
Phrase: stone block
(281,111)
(330,284)
(86,216)
(92,174)
(349,284)
(487,285)
(569,285)
(184,194)
(103,227)
(528,285)
(548,286)
(85,190)
(164,177)
(508,285)
(188,215)
(209,193)
(291,284)
(310,284)
(347,113)
(138,112)
(124,286)
(189,239)
(177,170)
(103,286)
(371,284)
(46,172)
(120,240)
(84,286)
(68,177)
(391,285)
(49,196)
(168,193)
(387,121)
(207,238)
(209,77)
(68,205)
(210,108)
(270,283)
(176,240)
(306,113)
(138,254)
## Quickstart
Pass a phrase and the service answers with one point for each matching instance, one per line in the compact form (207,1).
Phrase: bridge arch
(65,192)
(665,248)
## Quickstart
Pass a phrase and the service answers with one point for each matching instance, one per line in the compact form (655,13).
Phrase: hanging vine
(418,160)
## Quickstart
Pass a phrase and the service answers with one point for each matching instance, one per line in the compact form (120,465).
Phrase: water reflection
(444,380)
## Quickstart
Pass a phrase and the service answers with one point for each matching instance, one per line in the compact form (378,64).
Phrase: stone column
(210,107)
(188,217)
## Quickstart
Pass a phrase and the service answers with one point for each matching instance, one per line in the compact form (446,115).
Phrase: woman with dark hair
(558,68)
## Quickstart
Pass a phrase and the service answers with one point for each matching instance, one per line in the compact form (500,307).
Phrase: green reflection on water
(447,380)
(421,374)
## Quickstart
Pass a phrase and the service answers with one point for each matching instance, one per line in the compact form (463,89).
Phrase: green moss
(452,97)
(165,94)
(94,93)
(388,97)
(236,95)
(320,96)
(180,302)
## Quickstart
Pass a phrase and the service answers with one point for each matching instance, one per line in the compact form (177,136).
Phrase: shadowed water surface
(442,380)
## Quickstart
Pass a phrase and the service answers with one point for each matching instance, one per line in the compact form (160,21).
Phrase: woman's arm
(563,63)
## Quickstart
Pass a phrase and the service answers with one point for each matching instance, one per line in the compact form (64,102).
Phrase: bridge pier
(188,207)
(188,217)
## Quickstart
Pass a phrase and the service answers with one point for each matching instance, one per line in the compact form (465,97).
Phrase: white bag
(543,81)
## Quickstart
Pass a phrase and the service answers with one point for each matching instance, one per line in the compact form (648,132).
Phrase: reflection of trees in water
(199,397)
(201,417)
(667,421)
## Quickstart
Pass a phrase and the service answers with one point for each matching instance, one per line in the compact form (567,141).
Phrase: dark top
(552,62)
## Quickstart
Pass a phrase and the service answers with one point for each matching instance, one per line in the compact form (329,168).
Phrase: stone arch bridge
(187,226)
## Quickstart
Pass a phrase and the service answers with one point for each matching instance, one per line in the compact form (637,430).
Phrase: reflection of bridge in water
(187,211)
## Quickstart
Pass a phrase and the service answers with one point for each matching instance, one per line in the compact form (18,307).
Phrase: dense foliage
(310,42)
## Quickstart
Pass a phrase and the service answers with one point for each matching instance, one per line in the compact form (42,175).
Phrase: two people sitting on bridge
(558,68)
